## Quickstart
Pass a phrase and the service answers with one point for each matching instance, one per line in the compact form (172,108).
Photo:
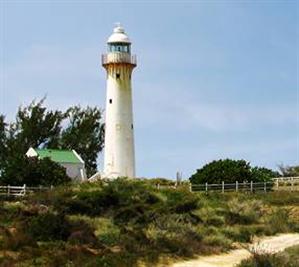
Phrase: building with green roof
(69,159)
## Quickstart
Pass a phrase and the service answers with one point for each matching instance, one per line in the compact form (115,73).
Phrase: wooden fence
(19,191)
(282,183)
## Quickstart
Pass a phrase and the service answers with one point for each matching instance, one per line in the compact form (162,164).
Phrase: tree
(230,171)
(289,171)
(226,170)
(36,126)
(34,172)
(261,174)
(85,134)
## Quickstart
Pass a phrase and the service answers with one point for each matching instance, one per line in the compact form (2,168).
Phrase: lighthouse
(119,154)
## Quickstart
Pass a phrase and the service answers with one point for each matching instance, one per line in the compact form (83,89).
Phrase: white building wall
(119,158)
(74,171)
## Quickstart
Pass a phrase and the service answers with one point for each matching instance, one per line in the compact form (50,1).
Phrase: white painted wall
(119,157)
(75,171)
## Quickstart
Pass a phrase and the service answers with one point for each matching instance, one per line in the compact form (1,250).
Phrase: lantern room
(119,41)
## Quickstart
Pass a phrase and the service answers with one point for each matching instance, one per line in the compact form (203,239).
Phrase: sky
(215,79)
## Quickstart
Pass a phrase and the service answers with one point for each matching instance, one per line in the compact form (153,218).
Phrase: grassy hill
(130,223)
(286,258)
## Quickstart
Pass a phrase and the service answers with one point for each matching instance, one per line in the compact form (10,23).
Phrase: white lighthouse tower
(119,155)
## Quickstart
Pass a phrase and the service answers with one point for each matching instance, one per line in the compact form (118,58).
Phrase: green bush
(83,236)
(170,235)
(287,258)
(226,170)
(180,201)
(230,171)
(49,226)
(119,196)
(279,221)
(34,172)
(218,240)
(244,212)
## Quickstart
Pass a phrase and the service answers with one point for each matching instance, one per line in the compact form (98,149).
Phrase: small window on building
(110,101)
(117,75)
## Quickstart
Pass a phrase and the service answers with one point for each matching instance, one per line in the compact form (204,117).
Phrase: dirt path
(273,244)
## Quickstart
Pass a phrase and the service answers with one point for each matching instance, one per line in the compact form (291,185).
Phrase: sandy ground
(234,257)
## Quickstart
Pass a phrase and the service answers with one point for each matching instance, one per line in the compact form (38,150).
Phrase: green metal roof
(63,156)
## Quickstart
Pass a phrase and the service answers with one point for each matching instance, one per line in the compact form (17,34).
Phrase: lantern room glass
(119,47)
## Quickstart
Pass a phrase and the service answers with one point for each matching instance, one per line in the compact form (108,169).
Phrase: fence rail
(282,183)
(20,191)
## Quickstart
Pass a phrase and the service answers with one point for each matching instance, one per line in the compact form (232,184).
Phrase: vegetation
(34,172)
(230,171)
(289,171)
(287,258)
(129,222)
(36,126)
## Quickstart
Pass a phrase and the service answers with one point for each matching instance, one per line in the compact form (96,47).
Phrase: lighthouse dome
(118,36)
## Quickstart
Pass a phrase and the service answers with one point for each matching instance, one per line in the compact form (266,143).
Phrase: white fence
(282,183)
(20,191)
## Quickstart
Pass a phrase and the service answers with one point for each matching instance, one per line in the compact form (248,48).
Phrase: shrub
(218,240)
(88,202)
(49,226)
(106,231)
(230,171)
(261,174)
(160,181)
(287,258)
(16,239)
(244,212)
(279,221)
(117,196)
(171,236)
(33,172)
(226,170)
(82,233)
(180,201)
(209,216)
(136,214)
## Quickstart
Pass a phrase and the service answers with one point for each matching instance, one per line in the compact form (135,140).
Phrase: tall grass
(123,222)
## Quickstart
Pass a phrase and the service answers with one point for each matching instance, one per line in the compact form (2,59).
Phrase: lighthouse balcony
(118,58)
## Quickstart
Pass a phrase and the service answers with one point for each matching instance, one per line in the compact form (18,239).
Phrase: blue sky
(215,79)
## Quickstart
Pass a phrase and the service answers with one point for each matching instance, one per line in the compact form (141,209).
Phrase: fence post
(223,187)
(251,186)
(51,187)
(292,183)
(190,187)
(24,187)
(277,183)
(237,186)
(206,188)
(265,186)
(158,186)
(8,190)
